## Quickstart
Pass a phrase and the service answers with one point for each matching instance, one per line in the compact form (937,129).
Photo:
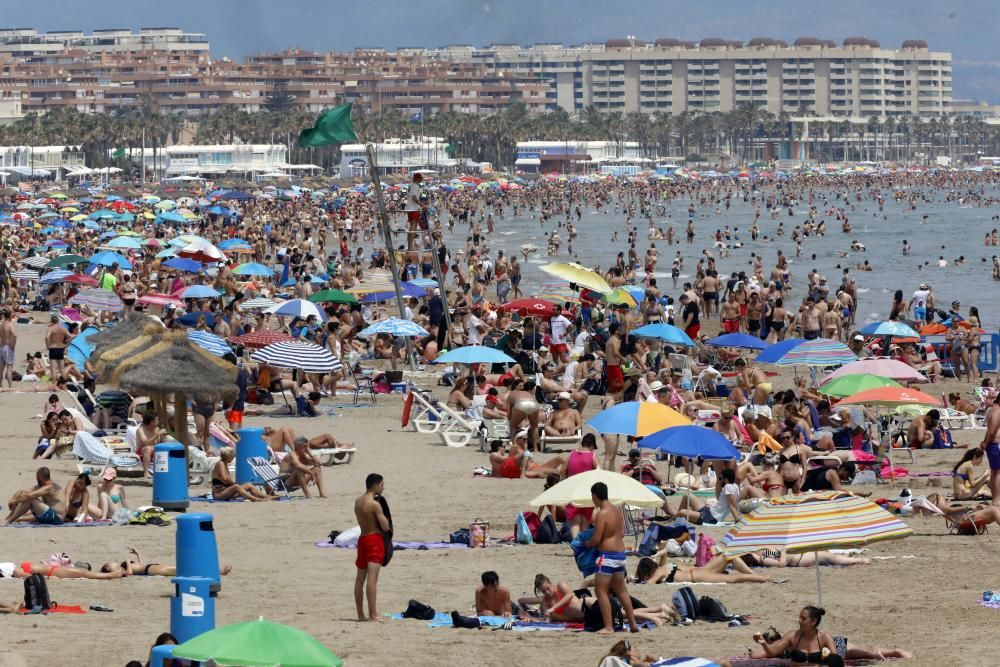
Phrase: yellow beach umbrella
(622,490)
(620,297)
(77,218)
(576,273)
(69,209)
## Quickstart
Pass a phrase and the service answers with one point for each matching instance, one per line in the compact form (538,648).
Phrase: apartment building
(28,43)
(857,78)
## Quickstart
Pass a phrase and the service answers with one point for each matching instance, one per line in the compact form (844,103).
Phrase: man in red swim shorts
(371,545)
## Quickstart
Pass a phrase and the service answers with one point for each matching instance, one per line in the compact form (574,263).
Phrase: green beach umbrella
(258,643)
(848,385)
(332,296)
(65,260)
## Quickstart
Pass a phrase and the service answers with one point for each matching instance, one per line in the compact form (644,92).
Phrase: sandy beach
(924,597)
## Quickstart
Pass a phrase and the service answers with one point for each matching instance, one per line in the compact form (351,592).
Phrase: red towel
(60,609)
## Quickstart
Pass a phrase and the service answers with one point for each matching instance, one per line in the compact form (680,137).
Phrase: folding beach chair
(962,523)
(571,441)
(635,526)
(268,475)
(363,384)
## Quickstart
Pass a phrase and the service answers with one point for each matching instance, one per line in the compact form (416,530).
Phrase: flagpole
(387,233)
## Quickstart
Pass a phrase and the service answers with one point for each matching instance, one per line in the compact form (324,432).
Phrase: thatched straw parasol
(120,333)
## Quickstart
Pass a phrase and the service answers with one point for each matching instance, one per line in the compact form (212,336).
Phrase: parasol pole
(819,584)
(387,233)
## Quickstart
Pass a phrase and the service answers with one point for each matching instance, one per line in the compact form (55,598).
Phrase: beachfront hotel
(855,79)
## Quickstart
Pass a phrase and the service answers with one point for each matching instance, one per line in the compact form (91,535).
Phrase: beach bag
(526,527)
(460,536)
(479,533)
(419,611)
(686,603)
(650,540)
(548,531)
(585,557)
(593,621)
(710,609)
(36,593)
(703,552)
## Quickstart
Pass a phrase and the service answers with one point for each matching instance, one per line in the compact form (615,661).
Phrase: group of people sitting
(52,504)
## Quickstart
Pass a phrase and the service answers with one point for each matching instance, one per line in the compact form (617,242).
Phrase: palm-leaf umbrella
(257,644)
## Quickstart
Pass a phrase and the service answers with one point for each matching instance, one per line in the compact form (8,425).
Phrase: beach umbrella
(109,258)
(691,442)
(738,340)
(124,243)
(777,350)
(80,348)
(202,251)
(199,292)
(886,368)
(56,243)
(889,328)
(818,352)
(530,306)
(253,269)
(575,490)
(171,216)
(25,274)
(260,338)
(98,299)
(890,397)
(846,385)
(297,308)
(620,297)
(229,244)
(559,293)
(580,275)
(332,296)
(183,264)
(812,522)
(81,279)
(394,326)
(53,277)
(65,260)
(257,643)
(423,283)
(156,299)
(209,342)
(259,303)
(636,418)
(474,354)
(404,287)
(166,253)
(665,332)
(36,262)
(298,354)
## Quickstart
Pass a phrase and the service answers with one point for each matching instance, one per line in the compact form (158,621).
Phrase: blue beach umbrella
(738,340)
(199,292)
(253,269)
(53,277)
(80,349)
(108,258)
(474,354)
(209,342)
(125,243)
(394,326)
(778,350)
(183,264)
(889,328)
(691,442)
(665,332)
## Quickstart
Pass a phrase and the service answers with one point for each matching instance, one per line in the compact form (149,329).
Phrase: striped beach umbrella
(53,277)
(260,338)
(813,522)
(820,352)
(209,342)
(260,303)
(374,281)
(156,299)
(297,308)
(886,368)
(394,326)
(637,418)
(25,274)
(298,354)
(98,299)
(38,261)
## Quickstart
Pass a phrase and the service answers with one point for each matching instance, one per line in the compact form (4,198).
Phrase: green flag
(333,127)
(118,152)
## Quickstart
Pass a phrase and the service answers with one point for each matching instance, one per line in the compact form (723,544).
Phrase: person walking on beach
(8,341)
(56,340)
(371,545)
(609,539)
(991,446)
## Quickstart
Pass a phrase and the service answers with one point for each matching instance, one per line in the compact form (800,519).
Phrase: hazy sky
(236,28)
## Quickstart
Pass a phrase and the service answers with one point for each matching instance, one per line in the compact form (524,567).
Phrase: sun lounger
(268,475)
(106,452)
(334,455)
(458,431)
(496,429)
(545,440)
(426,415)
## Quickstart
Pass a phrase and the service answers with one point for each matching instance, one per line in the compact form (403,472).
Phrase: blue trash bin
(192,609)
(197,553)
(170,477)
(251,443)
(161,653)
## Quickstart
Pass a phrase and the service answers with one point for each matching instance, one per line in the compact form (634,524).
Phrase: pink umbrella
(886,368)
(160,300)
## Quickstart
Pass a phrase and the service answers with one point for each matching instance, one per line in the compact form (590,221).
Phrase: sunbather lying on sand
(26,569)
(561,604)
(138,568)
(280,438)
(778,558)
(656,571)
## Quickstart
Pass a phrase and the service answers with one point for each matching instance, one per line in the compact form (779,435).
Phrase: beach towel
(59,609)
(684,662)
(72,524)
(205,499)
(419,546)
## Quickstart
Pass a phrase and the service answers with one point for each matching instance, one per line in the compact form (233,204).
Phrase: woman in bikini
(561,604)
(78,499)
(779,558)
(224,487)
(769,480)
(980,515)
(518,462)
(964,482)
(656,571)
(110,495)
(792,461)
(137,568)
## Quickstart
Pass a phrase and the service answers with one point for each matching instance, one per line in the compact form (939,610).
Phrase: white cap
(655,386)
(564,396)
(859,337)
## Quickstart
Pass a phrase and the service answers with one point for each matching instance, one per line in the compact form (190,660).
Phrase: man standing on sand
(8,341)
(56,340)
(371,545)
(609,539)
(991,446)
(613,362)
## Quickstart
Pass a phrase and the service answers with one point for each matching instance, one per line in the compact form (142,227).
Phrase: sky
(237,28)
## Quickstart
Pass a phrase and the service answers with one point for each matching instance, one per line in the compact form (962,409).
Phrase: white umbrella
(297,308)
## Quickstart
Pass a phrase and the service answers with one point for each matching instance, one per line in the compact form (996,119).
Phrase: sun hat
(110,474)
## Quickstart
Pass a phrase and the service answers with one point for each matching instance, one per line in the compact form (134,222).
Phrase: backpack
(548,532)
(703,552)
(686,603)
(36,593)
(460,536)
(419,611)
(593,621)
(526,527)
(712,610)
